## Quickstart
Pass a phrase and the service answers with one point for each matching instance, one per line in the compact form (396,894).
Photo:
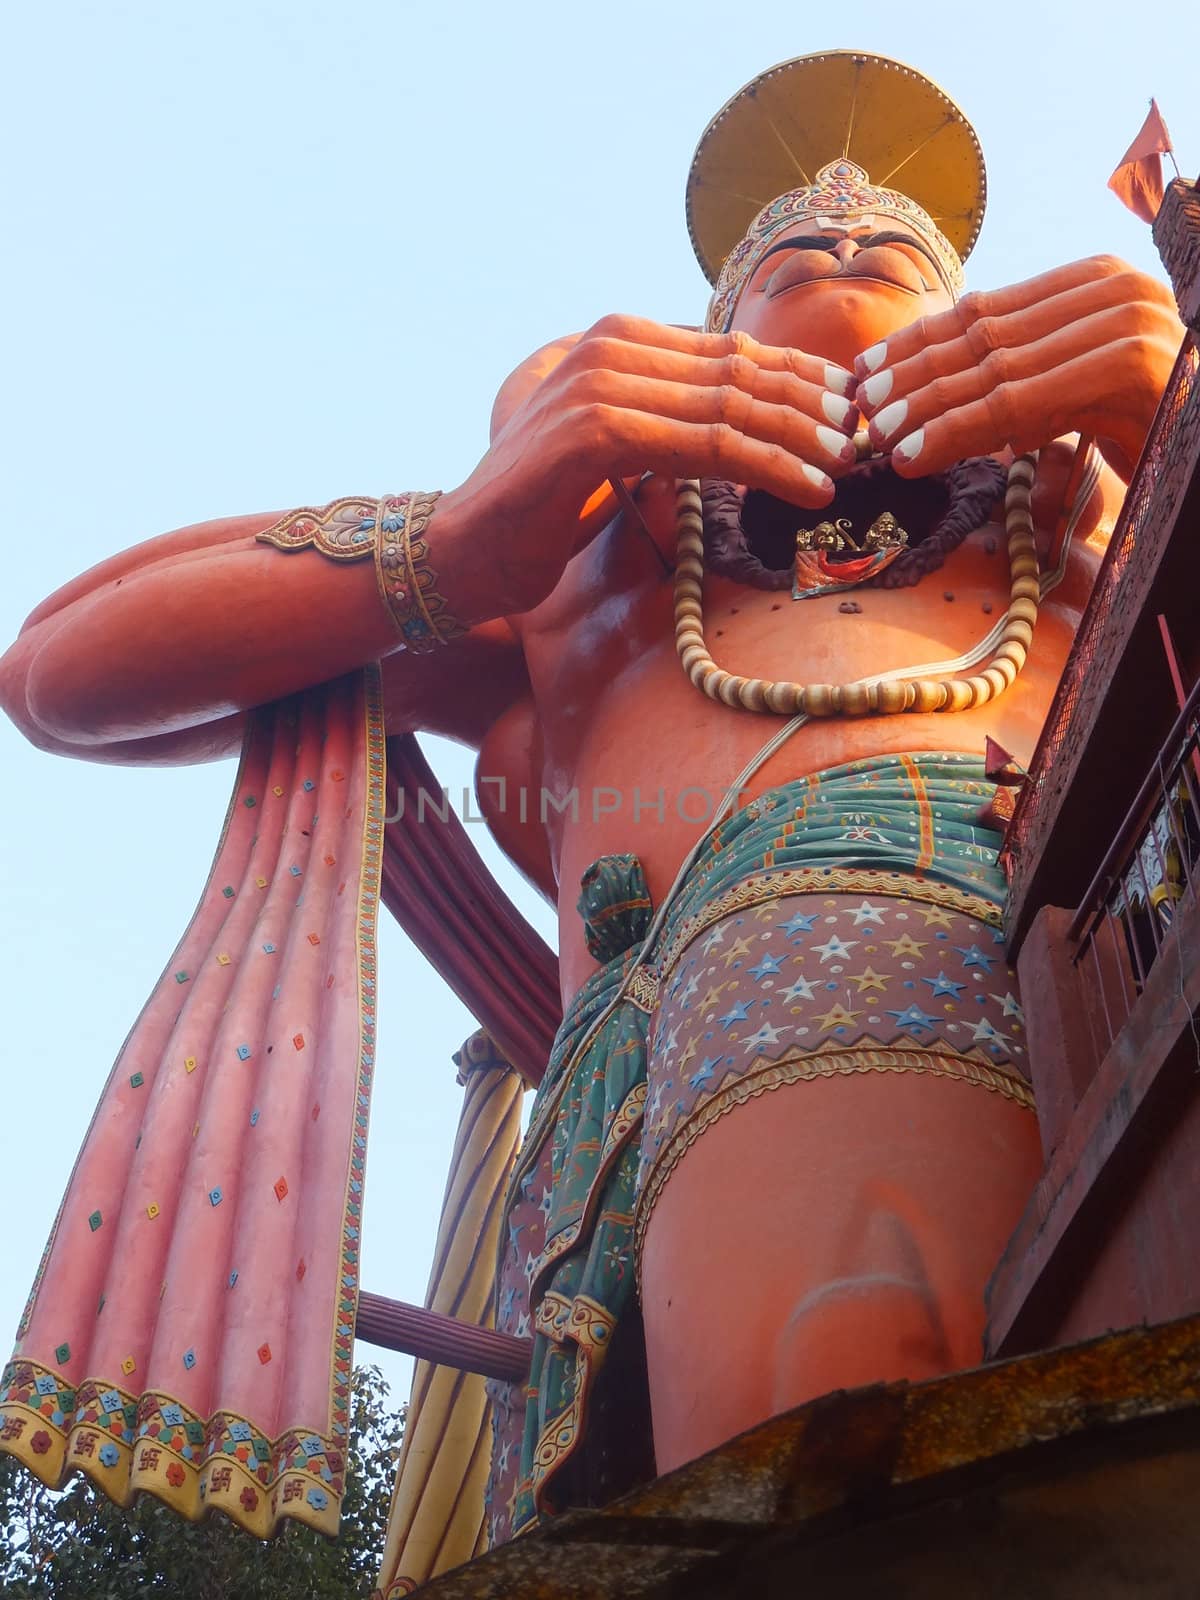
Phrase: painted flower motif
(175,1475)
(249,1499)
(318,1499)
(40,1442)
(109,1455)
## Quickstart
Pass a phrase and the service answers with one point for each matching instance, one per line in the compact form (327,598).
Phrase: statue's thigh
(824,1234)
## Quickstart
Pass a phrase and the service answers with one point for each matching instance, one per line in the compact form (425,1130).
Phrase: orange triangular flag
(1138,181)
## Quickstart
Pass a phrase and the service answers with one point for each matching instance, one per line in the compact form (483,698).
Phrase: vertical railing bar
(1101,987)
(1130,931)
(1119,942)
(1139,861)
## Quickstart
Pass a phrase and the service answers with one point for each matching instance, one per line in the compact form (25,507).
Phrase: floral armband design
(391,531)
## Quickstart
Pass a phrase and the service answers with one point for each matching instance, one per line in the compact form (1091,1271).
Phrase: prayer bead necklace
(890,692)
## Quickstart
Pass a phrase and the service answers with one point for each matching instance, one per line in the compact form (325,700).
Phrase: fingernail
(890,419)
(838,379)
(838,411)
(816,476)
(909,449)
(876,390)
(872,359)
(836,443)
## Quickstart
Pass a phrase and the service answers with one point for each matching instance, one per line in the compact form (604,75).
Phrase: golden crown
(838,115)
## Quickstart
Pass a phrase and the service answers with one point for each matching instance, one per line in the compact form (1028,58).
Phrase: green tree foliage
(78,1546)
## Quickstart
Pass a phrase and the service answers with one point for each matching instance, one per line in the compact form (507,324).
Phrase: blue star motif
(973,956)
(767,965)
(734,1014)
(914,1017)
(705,1072)
(799,924)
(944,985)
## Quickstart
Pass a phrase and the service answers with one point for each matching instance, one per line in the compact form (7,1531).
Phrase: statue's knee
(867,1328)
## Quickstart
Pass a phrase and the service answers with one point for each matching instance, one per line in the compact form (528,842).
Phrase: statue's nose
(845,250)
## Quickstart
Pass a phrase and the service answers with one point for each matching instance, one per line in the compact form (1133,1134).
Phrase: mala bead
(1001,674)
(958,695)
(890,697)
(855,701)
(928,695)
(783,698)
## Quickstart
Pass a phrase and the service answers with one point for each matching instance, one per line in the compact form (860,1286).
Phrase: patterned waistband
(900,825)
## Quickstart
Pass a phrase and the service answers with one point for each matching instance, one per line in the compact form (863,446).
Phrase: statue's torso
(614,719)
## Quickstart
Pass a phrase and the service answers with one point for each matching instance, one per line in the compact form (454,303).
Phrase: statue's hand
(1086,348)
(633,396)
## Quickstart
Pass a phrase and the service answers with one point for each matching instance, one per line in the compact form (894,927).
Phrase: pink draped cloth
(437,887)
(190,1331)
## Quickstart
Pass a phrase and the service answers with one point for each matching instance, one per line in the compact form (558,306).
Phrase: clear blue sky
(264,254)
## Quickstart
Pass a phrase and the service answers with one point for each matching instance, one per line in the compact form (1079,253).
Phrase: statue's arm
(1085,348)
(155,655)
(175,639)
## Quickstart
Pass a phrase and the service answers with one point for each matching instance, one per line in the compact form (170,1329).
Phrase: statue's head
(836,261)
(867,260)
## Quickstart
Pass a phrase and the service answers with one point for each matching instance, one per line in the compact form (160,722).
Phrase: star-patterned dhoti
(804,986)
(845,922)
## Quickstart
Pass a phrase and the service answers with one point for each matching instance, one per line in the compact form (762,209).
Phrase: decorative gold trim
(344,530)
(590,1327)
(778,885)
(642,989)
(801,1065)
(391,530)
(256,1492)
(407,582)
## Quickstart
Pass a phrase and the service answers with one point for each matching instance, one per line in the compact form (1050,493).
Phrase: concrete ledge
(1072,1472)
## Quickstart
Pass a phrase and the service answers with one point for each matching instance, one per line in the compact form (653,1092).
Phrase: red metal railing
(1125,918)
